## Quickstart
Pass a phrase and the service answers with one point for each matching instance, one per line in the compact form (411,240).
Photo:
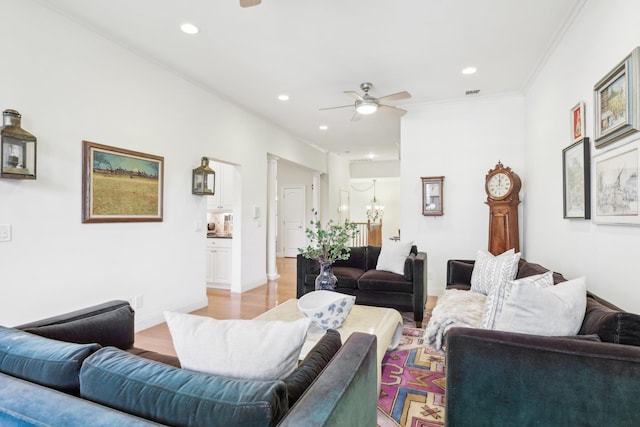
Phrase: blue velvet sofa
(81,368)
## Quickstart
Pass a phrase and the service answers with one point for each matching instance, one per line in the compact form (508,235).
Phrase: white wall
(387,195)
(460,140)
(602,34)
(72,85)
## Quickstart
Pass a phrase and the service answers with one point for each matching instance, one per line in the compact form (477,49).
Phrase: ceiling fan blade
(249,3)
(354,95)
(356,117)
(395,97)
(396,110)
(333,108)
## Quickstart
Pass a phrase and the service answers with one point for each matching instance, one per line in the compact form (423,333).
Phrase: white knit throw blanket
(454,308)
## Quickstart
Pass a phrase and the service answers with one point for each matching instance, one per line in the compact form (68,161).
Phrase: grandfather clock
(502,186)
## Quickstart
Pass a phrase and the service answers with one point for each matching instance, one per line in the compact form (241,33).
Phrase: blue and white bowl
(326,309)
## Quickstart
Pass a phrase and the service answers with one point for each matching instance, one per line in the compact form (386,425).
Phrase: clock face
(499,185)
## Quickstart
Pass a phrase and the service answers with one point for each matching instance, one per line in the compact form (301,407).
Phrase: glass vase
(326,280)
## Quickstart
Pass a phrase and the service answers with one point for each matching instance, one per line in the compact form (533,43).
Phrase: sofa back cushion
(173,396)
(526,269)
(43,361)
(357,258)
(110,328)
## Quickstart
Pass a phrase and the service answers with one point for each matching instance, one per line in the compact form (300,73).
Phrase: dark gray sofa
(53,382)
(358,276)
(509,379)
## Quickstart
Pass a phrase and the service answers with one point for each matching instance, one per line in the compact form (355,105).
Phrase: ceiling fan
(249,3)
(367,104)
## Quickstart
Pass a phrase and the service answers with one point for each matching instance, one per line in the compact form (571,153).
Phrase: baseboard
(153,319)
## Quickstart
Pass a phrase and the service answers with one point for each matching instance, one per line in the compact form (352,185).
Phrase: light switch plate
(5,232)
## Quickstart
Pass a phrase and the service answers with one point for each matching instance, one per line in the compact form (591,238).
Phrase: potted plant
(326,245)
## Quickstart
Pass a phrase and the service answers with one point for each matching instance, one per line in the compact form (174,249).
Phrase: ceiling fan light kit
(366,104)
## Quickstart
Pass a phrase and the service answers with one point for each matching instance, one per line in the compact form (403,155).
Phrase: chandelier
(374,210)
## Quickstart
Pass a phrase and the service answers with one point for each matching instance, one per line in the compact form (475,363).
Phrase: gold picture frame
(616,101)
(120,185)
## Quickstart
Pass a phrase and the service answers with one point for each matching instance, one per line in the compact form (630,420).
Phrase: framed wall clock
(432,195)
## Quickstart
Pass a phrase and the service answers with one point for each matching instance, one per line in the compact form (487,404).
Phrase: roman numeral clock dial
(502,186)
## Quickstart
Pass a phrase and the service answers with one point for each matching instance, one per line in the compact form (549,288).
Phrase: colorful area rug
(413,383)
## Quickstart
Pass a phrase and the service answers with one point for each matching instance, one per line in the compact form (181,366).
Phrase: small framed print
(577,122)
(616,101)
(432,195)
(576,168)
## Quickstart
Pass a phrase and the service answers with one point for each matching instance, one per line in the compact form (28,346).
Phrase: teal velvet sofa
(497,378)
(81,368)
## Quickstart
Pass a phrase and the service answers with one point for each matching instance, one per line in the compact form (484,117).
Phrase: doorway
(293,219)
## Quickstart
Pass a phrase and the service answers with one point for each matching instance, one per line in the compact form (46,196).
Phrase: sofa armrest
(552,380)
(459,273)
(108,324)
(345,393)
(415,270)
(304,266)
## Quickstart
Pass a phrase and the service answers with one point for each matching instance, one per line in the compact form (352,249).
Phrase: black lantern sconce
(17,148)
(204,179)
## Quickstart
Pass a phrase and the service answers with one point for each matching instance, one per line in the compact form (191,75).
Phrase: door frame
(281,225)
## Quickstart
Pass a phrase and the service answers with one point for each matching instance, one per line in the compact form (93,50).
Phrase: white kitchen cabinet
(219,262)
(223,197)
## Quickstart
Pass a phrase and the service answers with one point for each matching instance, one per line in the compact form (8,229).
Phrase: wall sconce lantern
(17,148)
(204,179)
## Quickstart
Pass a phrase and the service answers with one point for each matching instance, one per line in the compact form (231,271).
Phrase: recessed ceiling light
(469,70)
(371,156)
(283,97)
(323,127)
(189,28)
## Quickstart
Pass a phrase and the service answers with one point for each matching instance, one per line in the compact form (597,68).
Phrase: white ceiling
(313,50)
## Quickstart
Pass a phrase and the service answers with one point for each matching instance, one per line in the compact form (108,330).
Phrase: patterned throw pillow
(490,270)
(499,294)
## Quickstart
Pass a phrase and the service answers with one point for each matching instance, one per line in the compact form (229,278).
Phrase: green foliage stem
(330,243)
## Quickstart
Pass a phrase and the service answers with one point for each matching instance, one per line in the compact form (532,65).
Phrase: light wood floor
(226,305)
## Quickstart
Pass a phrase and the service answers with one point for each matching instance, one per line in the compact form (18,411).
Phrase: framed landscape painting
(616,101)
(576,180)
(615,184)
(120,185)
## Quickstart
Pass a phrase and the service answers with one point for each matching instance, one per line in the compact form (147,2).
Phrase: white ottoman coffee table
(384,323)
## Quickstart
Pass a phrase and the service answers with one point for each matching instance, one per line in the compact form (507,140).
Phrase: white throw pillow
(393,255)
(489,270)
(499,294)
(251,349)
(553,311)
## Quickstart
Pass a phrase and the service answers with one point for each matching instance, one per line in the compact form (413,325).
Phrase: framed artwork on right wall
(576,180)
(615,185)
(616,101)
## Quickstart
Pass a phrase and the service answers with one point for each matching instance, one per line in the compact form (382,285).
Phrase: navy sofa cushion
(112,328)
(24,404)
(315,361)
(51,363)
(173,396)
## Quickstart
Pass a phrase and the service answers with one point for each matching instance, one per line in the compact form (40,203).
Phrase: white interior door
(293,206)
